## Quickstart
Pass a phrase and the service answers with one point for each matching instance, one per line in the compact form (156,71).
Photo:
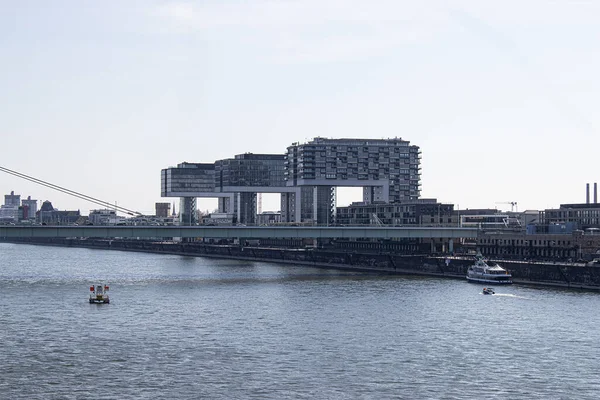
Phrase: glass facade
(250,170)
(387,169)
(421,212)
(317,204)
(187,178)
(336,162)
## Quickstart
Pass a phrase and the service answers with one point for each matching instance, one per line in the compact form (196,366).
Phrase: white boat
(483,272)
(99,294)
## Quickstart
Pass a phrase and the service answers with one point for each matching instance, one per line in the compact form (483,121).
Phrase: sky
(99,96)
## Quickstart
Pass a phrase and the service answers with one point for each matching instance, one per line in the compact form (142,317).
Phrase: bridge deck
(378,232)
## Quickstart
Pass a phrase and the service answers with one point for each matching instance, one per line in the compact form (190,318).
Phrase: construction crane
(513,204)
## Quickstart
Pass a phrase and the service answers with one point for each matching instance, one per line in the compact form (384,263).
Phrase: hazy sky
(99,96)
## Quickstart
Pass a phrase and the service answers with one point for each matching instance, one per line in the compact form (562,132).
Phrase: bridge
(246,232)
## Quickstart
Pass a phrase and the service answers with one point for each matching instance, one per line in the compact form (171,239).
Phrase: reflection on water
(181,327)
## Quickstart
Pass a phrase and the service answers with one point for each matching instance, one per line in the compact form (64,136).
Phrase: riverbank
(524,272)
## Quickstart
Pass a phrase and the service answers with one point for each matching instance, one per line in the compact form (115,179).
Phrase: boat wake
(514,296)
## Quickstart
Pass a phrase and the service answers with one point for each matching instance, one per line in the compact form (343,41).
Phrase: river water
(196,328)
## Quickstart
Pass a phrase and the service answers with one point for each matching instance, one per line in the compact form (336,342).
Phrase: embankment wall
(523,272)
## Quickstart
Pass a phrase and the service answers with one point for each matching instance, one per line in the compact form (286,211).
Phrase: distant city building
(268,218)
(105,217)
(47,206)
(9,214)
(569,217)
(14,211)
(12,199)
(581,216)
(163,210)
(218,219)
(9,211)
(29,208)
(48,215)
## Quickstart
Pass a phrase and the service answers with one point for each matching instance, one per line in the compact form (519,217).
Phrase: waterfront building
(306,177)
(490,219)
(105,217)
(234,182)
(572,246)
(188,181)
(570,232)
(422,212)
(388,170)
(245,176)
(570,217)
(579,216)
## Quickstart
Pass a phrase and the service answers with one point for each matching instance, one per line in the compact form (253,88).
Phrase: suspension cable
(71,192)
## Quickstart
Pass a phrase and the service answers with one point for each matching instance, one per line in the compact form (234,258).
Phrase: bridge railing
(237,232)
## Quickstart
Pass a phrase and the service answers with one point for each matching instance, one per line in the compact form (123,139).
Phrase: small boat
(99,294)
(488,290)
(483,272)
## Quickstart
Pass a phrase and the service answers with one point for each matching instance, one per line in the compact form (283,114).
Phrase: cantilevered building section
(245,176)
(188,181)
(388,170)
(234,181)
(250,170)
(306,176)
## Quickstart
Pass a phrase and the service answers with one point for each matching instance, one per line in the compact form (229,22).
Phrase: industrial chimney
(587,193)
(595,193)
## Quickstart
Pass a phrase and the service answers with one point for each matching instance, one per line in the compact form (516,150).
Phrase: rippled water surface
(196,328)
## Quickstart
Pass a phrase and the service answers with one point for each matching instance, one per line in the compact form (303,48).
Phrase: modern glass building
(306,176)
(250,170)
(234,181)
(388,170)
(188,181)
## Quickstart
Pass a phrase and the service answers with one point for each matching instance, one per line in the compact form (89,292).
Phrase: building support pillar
(298,205)
(187,211)
(315,203)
